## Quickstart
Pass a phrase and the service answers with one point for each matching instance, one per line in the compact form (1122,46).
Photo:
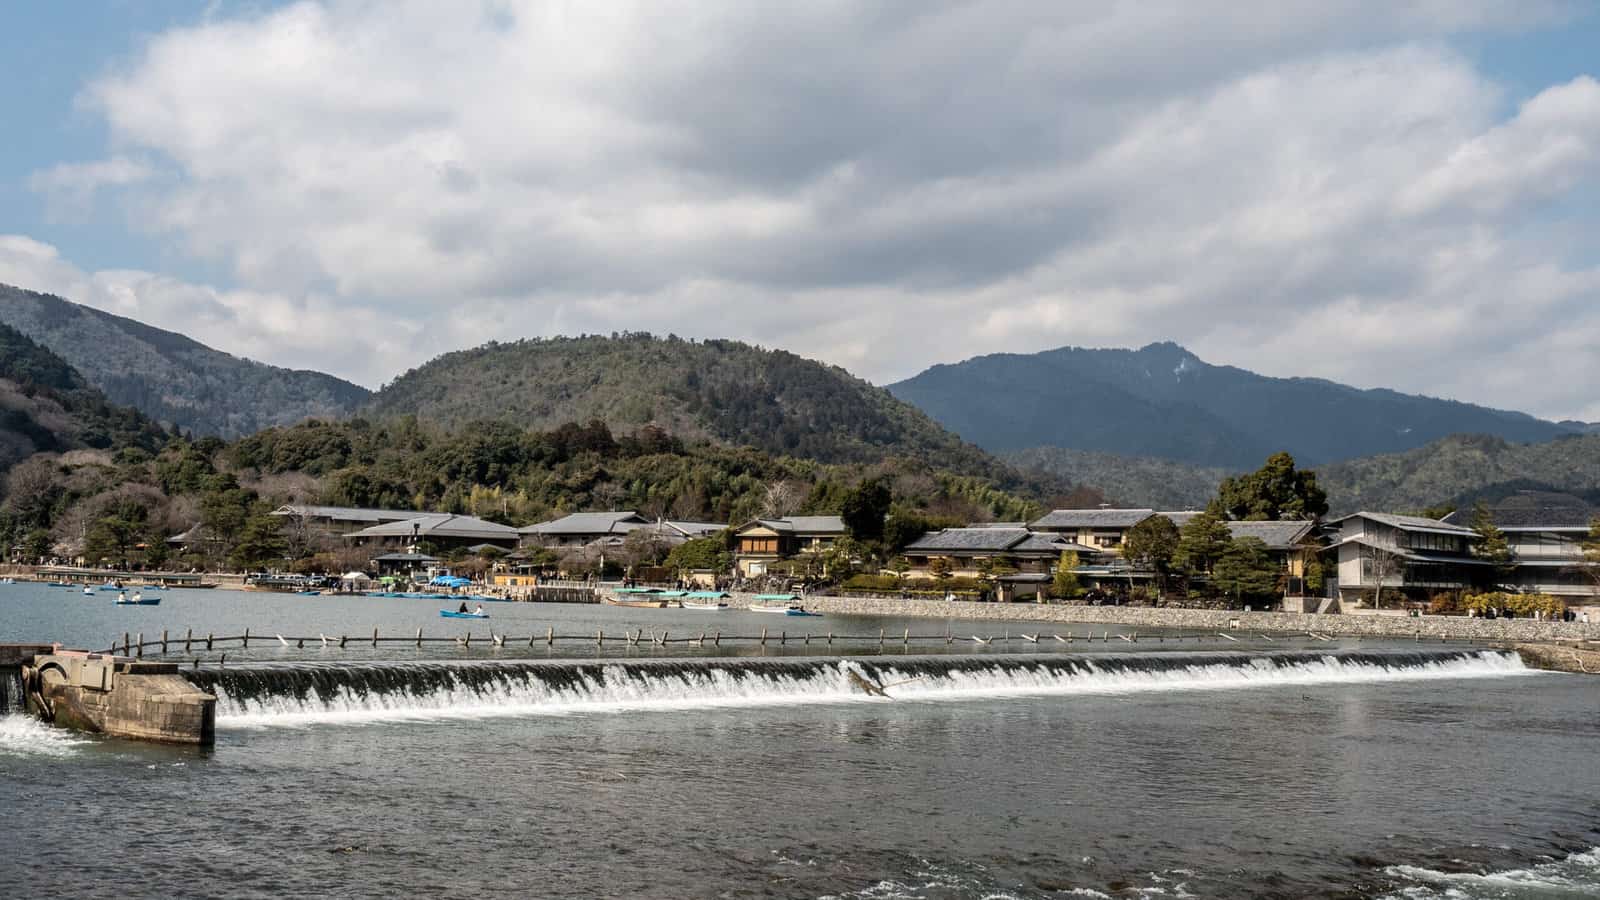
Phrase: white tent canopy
(356,576)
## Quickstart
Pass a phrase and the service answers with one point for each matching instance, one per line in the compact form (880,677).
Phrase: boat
(88,591)
(8,581)
(138,600)
(111,586)
(642,598)
(781,604)
(455,614)
(705,601)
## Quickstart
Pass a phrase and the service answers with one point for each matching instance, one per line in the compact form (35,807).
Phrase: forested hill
(723,391)
(1163,401)
(1461,469)
(47,406)
(1453,471)
(172,378)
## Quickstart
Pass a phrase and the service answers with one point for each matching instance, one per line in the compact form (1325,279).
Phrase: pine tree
(1245,571)
(1203,540)
(1490,544)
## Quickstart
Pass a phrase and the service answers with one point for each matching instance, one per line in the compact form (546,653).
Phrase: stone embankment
(1455,628)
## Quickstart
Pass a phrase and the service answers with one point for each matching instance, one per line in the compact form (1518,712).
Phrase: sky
(1394,193)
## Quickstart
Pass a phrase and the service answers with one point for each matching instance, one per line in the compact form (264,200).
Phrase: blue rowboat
(142,601)
(453,614)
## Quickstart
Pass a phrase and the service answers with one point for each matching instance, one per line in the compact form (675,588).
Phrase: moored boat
(781,604)
(705,601)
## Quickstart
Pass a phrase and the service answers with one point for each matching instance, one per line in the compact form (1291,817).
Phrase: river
(1211,768)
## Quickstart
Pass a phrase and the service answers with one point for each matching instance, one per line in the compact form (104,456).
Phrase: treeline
(120,507)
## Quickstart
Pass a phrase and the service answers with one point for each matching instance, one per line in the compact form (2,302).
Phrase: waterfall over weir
(253,695)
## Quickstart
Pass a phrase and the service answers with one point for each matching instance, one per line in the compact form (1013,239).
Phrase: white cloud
(71,187)
(1303,187)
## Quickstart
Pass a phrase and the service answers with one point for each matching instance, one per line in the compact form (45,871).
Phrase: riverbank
(1454,628)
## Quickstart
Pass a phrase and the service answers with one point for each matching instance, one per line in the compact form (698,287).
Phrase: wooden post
(187,637)
(600,637)
(717,641)
(342,639)
(419,637)
(908,637)
(208,640)
(550,637)
(763,635)
(830,637)
(127,644)
(163,642)
(247,639)
(374,636)
(880,638)
(808,639)
(300,644)
(468,642)
(783,637)
(140,651)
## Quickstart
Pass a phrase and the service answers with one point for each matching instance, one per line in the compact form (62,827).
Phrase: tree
(865,509)
(1152,544)
(1203,540)
(1382,563)
(939,567)
(1275,491)
(1065,581)
(260,541)
(700,553)
(1591,554)
(1245,571)
(1490,544)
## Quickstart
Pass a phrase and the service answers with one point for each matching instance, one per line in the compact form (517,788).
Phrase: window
(758,545)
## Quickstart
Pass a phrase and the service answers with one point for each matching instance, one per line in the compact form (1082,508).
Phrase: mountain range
(1164,402)
(1150,427)
(172,378)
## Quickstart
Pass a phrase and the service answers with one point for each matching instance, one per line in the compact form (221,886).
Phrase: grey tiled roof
(1276,535)
(1534,511)
(1410,523)
(1093,518)
(441,525)
(590,523)
(986,540)
(347,513)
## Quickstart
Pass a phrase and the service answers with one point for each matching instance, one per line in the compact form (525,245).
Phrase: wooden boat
(137,600)
(643,598)
(781,604)
(705,601)
(456,614)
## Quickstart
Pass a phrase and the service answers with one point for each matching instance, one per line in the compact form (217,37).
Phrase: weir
(105,694)
(264,694)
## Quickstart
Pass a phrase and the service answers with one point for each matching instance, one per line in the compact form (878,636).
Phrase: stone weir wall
(1436,627)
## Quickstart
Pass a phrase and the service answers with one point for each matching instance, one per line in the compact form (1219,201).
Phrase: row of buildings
(1357,553)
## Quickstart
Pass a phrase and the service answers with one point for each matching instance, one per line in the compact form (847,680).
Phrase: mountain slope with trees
(722,391)
(46,406)
(1455,471)
(1162,401)
(171,378)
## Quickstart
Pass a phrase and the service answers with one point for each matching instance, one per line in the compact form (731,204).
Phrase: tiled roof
(1410,523)
(987,540)
(441,525)
(347,513)
(1093,518)
(697,529)
(1276,535)
(816,524)
(590,523)
(1534,511)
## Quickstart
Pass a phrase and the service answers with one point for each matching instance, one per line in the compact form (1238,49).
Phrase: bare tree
(783,499)
(1386,563)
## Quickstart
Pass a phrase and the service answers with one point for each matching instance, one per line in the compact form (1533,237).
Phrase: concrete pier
(120,697)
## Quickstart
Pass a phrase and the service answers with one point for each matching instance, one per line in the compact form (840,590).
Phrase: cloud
(1301,187)
(71,187)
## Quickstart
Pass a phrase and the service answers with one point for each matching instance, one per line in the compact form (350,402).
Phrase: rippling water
(1475,782)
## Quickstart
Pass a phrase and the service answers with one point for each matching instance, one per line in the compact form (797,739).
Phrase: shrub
(1519,604)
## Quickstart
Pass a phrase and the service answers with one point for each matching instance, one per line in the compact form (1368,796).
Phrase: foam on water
(298,695)
(22,735)
(1576,876)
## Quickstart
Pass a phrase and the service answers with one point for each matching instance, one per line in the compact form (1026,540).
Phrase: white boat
(782,606)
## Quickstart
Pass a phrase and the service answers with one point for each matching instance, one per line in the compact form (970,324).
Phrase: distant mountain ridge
(1164,402)
(46,406)
(1455,471)
(724,391)
(172,378)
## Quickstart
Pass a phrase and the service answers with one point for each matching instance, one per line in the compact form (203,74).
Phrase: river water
(1162,768)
